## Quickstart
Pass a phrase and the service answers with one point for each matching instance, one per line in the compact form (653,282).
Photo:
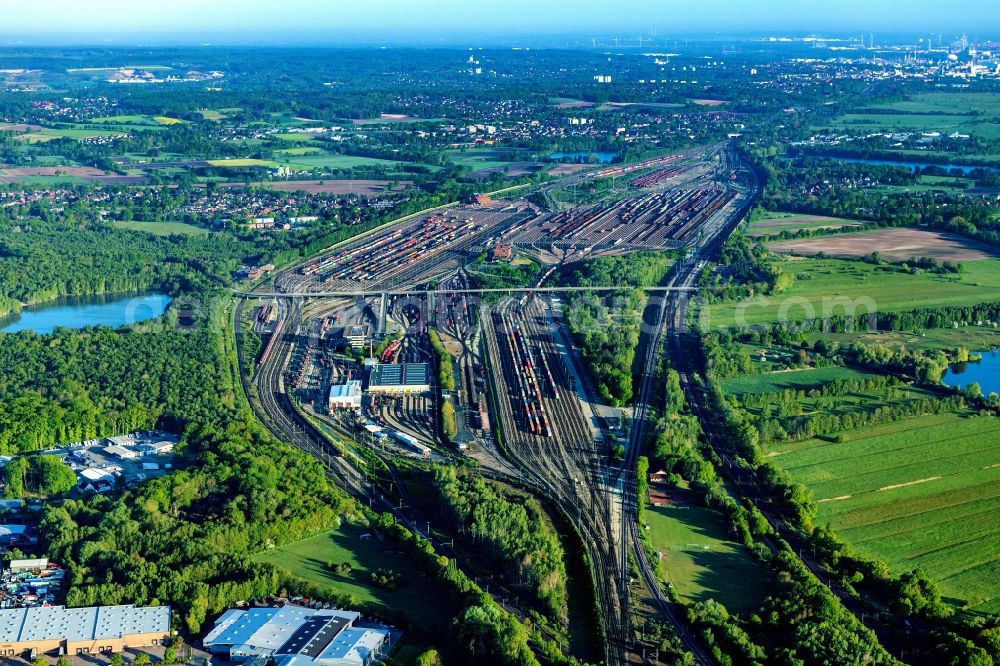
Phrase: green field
(478,159)
(949,103)
(826,286)
(163,228)
(875,122)
(299,151)
(930,184)
(127,120)
(309,162)
(294,137)
(48,133)
(975,114)
(774,223)
(798,380)
(976,338)
(921,492)
(701,561)
(243,163)
(421,598)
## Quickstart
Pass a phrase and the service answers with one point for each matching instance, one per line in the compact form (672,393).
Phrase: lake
(113,311)
(986,373)
(913,165)
(600,156)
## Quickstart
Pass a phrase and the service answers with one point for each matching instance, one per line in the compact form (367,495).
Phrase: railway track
(564,464)
(669,317)
(567,463)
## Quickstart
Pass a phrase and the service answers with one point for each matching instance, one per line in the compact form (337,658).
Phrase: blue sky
(377,18)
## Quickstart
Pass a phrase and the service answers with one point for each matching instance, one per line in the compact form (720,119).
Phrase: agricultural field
(294,137)
(700,560)
(975,114)
(924,184)
(973,337)
(950,104)
(826,286)
(897,244)
(60,174)
(121,120)
(163,228)
(420,598)
(479,159)
(299,151)
(49,133)
(921,492)
(979,126)
(330,161)
(774,223)
(798,380)
(366,187)
(243,163)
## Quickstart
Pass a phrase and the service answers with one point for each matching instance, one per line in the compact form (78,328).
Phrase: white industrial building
(95,480)
(160,448)
(121,452)
(296,636)
(345,396)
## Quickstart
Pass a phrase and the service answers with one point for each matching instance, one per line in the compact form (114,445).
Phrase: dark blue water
(913,165)
(601,157)
(986,373)
(111,311)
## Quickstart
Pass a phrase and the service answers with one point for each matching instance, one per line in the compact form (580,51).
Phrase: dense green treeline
(800,621)
(607,341)
(638,269)
(41,475)
(41,260)
(512,533)
(446,370)
(607,330)
(186,538)
(73,385)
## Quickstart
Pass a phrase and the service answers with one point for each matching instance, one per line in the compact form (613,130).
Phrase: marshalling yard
(525,406)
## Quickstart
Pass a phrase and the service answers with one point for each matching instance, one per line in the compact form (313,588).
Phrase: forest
(72,385)
(608,337)
(607,329)
(512,533)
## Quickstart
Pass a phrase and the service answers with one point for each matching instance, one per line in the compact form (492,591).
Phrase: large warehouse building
(399,378)
(82,630)
(296,636)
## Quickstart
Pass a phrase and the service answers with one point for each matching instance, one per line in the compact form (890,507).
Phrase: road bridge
(420,292)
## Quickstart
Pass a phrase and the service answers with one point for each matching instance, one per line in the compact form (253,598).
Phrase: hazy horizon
(454,22)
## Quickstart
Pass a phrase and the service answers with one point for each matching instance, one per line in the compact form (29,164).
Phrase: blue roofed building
(296,636)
